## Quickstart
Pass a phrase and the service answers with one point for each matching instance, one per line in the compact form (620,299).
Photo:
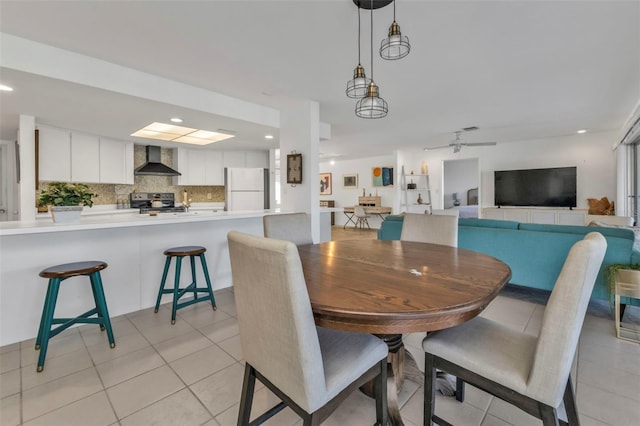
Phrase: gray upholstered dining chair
(294,227)
(311,369)
(532,373)
(362,218)
(430,228)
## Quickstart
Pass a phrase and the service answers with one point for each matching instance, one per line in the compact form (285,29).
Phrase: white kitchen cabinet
(214,168)
(257,159)
(54,156)
(85,152)
(235,159)
(198,167)
(115,161)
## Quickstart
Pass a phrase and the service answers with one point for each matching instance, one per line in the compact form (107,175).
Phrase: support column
(300,132)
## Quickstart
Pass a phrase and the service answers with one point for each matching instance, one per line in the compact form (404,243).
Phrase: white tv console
(546,215)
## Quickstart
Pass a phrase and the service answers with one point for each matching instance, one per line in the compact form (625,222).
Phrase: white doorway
(461,186)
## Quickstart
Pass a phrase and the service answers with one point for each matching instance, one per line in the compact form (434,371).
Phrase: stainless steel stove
(161,202)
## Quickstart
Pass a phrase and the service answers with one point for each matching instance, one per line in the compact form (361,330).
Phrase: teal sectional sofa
(534,252)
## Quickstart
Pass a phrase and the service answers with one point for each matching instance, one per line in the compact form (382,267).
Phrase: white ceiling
(519,70)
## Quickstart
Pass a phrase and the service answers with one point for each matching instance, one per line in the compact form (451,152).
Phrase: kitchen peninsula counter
(122,220)
(131,244)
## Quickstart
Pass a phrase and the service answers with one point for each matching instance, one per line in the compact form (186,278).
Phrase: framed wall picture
(294,168)
(350,181)
(382,176)
(325,183)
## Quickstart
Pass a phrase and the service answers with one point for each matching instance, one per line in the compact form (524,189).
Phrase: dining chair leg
(459,389)
(429,389)
(248,386)
(570,404)
(382,410)
(548,415)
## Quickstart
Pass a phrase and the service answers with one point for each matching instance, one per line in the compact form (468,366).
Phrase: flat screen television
(554,187)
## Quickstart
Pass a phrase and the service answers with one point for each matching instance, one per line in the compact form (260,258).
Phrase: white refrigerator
(246,189)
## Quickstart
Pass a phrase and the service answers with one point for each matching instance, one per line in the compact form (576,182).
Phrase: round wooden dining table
(389,288)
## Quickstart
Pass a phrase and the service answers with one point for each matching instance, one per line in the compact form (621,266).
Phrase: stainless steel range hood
(153,166)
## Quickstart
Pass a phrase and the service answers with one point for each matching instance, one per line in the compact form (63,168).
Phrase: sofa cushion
(580,230)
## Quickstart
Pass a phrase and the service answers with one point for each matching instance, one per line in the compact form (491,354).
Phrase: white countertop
(123,219)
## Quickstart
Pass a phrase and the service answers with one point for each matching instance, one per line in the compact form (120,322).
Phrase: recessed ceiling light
(581,131)
(332,162)
(176,120)
(268,136)
(169,132)
(5,88)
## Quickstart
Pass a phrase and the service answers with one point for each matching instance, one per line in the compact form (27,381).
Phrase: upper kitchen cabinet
(246,159)
(235,159)
(54,154)
(85,150)
(198,167)
(116,161)
(257,159)
(77,157)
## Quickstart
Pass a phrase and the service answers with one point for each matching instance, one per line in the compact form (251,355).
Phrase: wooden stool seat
(179,253)
(73,269)
(56,274)
(185,251)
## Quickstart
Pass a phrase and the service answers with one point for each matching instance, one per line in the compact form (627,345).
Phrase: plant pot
(65,214)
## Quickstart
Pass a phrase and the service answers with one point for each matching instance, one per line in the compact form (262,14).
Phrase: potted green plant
(66,200)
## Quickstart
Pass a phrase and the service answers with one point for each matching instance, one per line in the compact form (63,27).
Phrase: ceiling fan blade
(429,148)
(478,143)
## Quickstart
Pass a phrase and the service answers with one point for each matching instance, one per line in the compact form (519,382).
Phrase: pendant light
(372,105)
(395,46)
(357,87)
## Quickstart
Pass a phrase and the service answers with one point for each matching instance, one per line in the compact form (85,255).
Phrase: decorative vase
(65,214)
(423,169)
(419,198)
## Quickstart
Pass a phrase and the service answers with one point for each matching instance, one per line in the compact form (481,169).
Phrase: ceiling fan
(457,144)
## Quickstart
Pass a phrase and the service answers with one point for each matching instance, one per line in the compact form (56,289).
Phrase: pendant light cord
(359,63)
(372,40)
(394,10)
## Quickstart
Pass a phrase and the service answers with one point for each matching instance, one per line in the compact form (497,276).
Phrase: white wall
(591,153)
(346,197)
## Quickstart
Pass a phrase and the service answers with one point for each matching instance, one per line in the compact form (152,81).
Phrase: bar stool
(179,253)
(57,274)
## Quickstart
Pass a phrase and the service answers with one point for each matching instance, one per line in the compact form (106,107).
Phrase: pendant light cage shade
(357,87)
(395,46)
(372,105)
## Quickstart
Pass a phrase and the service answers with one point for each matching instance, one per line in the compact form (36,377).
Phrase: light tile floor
(191,374)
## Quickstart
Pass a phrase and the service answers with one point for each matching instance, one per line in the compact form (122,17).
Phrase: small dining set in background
(366,207)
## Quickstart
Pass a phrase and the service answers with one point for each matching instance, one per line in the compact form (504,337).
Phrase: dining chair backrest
(450,212)
(277,330)
(426,228)
(563,318)
(294,227)
(359,211)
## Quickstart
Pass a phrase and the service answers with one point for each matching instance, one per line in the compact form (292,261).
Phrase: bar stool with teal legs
(57,274)
(179,253)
